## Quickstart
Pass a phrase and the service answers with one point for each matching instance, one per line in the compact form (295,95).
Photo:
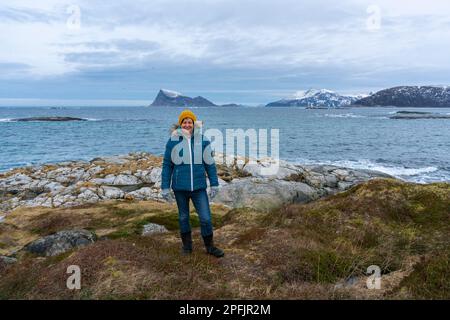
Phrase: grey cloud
(139,45)
(93,57)
(23,15)
(13,70)
(5,67)
(251,45)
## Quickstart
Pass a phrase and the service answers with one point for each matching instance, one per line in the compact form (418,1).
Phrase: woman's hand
(213,191)
(167,195)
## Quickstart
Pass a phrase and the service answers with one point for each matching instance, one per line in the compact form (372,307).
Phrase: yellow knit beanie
(186,114)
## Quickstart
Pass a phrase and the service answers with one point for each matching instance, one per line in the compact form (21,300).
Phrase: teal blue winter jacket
(184,171)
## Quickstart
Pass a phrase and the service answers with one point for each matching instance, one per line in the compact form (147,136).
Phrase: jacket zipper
(190,155)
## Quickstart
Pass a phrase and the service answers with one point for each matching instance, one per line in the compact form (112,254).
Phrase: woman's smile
(187,125)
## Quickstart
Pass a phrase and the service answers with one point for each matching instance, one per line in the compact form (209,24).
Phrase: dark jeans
(201,204)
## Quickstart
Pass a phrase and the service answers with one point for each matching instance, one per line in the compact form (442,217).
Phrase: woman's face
(188,125)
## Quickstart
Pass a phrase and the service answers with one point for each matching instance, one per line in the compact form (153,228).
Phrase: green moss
(428,208)
(103,223)
(120,234)
(128,221)
(85,294)
(370,239)
(56,259)
(19,281)
(170,221)
(123,212)
(430,279)
(319,266)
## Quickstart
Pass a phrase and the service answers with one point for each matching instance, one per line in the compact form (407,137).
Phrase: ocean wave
(88,119)
(396,171)
(118,120)
(14,120)
(344,115)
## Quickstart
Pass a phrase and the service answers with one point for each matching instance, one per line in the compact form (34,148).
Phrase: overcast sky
(227,51)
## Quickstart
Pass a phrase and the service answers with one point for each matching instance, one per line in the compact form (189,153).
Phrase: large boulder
(145,193)
(263,193)
(111,193)
(125,179)
(88,196)
(269,168)
(60,242)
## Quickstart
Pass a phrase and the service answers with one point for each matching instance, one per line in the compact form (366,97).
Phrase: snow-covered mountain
(409,96)
(313,98)
(172,98)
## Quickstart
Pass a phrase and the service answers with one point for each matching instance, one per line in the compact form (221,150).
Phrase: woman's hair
(174,127)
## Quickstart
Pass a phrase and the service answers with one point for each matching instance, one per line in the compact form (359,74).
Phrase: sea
(359,137)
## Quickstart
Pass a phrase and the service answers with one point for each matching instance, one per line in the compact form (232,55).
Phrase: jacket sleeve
(167,168)
(210,165)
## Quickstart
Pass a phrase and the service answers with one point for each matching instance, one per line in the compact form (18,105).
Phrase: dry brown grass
(298,251)
(146,163)
(22,170)
(228,173)
(116,217)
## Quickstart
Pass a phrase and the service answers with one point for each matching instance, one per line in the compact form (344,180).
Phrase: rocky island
(170,98)
(409,96)
(50,118)
(419,115)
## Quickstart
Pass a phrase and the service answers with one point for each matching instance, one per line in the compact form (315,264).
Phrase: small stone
(153,228)
(7,260)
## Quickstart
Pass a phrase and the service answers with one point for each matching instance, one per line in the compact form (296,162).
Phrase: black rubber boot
(210,248)
(186,238)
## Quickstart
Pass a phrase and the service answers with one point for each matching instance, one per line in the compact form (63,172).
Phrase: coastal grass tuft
(429,279)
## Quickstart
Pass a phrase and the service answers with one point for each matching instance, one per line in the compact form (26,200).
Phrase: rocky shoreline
(136,176)
(106,216)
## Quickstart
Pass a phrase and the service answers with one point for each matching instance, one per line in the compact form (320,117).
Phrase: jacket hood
(175,129)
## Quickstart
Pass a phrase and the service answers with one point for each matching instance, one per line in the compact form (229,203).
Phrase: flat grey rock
(60,242)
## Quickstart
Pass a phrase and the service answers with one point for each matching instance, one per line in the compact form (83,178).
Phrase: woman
(187,159)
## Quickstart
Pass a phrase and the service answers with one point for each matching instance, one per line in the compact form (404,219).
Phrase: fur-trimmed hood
(175,129)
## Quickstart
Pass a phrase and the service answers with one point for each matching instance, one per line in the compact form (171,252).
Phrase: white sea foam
(392,170)
(5,120)
(413,174)
(343,115)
